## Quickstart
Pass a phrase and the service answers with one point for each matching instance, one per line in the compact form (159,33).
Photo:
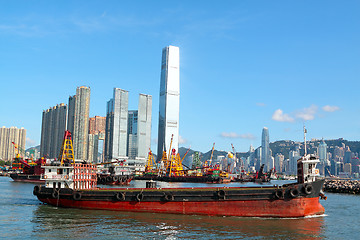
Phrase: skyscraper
(9,135)
(78,121)
(169,100)
(144,125)
(116,125)
(52,130)
(132,134)
(265,149)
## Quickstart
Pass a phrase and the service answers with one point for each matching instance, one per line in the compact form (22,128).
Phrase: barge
(74,186)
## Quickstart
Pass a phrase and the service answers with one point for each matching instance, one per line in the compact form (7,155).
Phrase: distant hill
(282,146)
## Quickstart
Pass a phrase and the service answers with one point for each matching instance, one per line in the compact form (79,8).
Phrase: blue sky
(244,65)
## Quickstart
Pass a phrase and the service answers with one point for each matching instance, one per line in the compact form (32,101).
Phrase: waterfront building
(52,130)
(347,168)
(78,121)
(9,135)
(322,152)
(116,127)
(169,100)
(265,149)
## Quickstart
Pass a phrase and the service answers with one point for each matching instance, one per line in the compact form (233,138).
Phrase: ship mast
(305,140)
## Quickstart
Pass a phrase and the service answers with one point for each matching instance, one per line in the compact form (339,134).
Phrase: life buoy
(45,176)
(115,178)
(279,194)
(120,196)
(77,196)
(139,197)
(221,194)
(169,197)
(66,177)
(308,189)
(294,192)
(108,179)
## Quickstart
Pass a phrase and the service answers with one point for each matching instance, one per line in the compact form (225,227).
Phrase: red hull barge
(294,200)
(30,178)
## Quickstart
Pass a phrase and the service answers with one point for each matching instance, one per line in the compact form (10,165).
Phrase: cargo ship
(75,186)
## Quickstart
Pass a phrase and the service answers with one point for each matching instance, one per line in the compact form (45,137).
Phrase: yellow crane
(67,151)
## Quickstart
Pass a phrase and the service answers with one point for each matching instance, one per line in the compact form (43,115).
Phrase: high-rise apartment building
(52,130)
(97,124)
(116,125)
(169,101)
(265,149)
(7,136)
(78,121)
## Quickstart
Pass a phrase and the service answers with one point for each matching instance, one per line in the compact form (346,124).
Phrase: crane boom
(212,154)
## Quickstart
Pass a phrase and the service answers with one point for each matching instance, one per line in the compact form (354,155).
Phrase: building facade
(97,125)
(265,149)
(7,148)
(116,125)
(169,101)
(78,121)
(144,125)
(52,130)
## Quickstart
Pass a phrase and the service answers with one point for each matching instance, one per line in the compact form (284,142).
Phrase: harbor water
(23,216)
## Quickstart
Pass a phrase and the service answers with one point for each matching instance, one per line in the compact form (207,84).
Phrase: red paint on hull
(299,207)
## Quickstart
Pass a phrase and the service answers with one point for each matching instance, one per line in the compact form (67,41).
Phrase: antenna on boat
(305,131)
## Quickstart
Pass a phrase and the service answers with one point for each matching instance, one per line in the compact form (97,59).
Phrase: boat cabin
(75,176)
(306,167)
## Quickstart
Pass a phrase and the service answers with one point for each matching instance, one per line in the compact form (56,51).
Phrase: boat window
(54,184)
(59,185)
(49,170)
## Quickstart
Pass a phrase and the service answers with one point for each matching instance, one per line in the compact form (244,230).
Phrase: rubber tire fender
(279,194)
(221,194)
(120,196)
(169,197)
(294,192)
(308,189)
(139,197)
(55,194)
(77,196)
(36,190)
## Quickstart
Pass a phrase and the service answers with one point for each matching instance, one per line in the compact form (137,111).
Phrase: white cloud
(329,108)
(279,116)
(235,135)
(260,104)
(182,140)
(307,113)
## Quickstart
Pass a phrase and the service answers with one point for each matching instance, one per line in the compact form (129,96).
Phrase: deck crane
(212,154)
(67,151)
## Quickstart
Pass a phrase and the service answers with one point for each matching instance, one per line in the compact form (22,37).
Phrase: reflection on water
(23,216)
(80,224)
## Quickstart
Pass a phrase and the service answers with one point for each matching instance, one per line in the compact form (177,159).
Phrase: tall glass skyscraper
(144,125)
(265,149)
(116,125)
(169,100)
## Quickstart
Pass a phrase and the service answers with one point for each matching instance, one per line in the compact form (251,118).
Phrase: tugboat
(73,185)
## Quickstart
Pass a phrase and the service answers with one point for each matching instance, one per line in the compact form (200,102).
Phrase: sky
(244,65)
